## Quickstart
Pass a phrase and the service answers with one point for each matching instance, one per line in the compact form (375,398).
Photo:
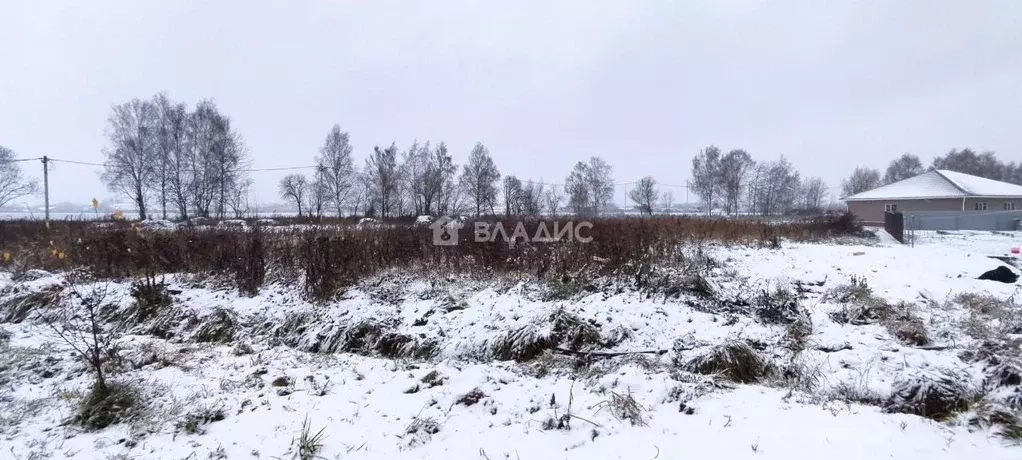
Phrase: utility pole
(46,189)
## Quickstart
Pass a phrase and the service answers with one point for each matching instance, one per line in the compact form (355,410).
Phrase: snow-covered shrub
(193,421)
(908,328)
(862,309)
(624,407)
(1006,373)
(797,334)
(18,307)
(986,415)
(560,329)
(988,317)
(779,306)
(150,295)
(857,289)
(735,361)
(218,327)
(375,338)
(112,403)
(936,394)
(471,398)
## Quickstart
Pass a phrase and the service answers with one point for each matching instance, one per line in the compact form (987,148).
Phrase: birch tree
(337,170)
(705,176)
(479,178)
(131,153)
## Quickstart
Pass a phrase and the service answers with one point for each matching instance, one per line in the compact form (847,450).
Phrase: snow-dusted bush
(908,328)
(779,306)
(114,402)
(561,328)
(218,327)
(735,361)
(936,394)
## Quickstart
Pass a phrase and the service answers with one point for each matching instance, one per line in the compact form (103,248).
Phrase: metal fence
(962,220)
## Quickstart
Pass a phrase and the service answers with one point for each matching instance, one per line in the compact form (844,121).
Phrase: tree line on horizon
(423,179)
(966,161)
(735,183)
(193,163)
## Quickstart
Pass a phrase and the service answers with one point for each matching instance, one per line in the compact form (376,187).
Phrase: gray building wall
(873,211)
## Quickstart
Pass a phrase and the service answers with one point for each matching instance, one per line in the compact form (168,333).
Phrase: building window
(980,206)
(1009,206)
(890,207)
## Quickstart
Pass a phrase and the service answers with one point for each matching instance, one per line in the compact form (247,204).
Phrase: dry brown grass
(334,256)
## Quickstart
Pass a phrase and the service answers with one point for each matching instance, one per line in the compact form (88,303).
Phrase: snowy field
(850,340)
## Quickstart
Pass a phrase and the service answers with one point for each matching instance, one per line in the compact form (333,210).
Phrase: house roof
(940,184)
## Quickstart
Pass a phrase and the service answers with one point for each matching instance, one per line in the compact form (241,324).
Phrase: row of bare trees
(424,180)
(190,163)
(966,161)
(734,182)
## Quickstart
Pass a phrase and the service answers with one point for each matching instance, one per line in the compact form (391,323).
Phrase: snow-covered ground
(419,366)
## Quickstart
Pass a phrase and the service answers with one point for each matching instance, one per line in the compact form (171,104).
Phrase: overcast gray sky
(643,84)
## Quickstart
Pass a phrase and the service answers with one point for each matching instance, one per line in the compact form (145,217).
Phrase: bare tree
(12,184)
(512,196)
(479,178)
(553,200)
(442,187)
(531,198)
(413,166)
(131,156)
(861,180)
(383,178)
(438,180)
(906,166)
(238,199)
(337,170)
(218,158)
(814,190)
(968,161)
(645,195)
(705,176)
(599,179)
(668,201)
(294,188)
(363,192)
(75,316)
(172,173)
(1013,173)
(590,187)
(775,188)
(577,190)
(319,197)
(732,174)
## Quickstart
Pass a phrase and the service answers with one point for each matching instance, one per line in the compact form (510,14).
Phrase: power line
(76,162)
(18,160)
(284,168)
